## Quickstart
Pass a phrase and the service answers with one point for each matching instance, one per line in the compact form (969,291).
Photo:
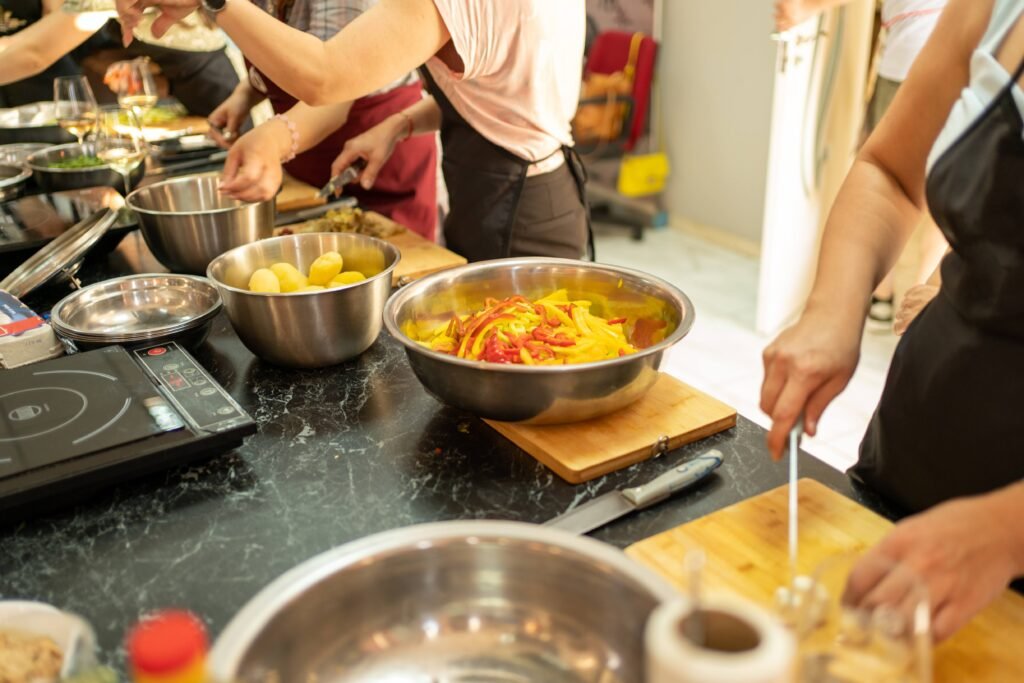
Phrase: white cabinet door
(816,113)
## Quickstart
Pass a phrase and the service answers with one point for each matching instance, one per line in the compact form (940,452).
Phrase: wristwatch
(212,7)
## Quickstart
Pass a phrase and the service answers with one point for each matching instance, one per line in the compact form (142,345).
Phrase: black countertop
(341,453)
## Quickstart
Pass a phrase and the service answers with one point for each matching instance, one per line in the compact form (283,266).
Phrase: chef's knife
(300,215)
(342,179)
(614,504)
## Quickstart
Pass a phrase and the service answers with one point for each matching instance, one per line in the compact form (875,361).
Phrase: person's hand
(374,147)
(963,551)
(129,14)
(228,118)
(790,13)
(804,369)
(912,304)
(252,171)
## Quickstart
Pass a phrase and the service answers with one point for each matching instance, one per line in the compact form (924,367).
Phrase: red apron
(406,189)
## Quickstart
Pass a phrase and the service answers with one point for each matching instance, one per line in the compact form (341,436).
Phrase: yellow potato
(289,276)
(325,268)
(264,280)
(349,277)
(312,288)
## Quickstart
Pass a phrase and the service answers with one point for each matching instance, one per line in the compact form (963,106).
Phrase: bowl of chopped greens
(74,166)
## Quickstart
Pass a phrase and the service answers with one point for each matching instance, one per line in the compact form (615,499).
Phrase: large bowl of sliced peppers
(538,340)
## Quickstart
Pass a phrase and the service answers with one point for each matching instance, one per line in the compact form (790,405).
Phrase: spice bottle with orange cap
(168,647)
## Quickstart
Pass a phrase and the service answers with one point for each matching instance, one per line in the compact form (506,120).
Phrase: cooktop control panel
(199,399)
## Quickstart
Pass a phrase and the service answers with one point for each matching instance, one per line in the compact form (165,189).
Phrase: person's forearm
(388,40)
(36,47)
(316,123)
(425,117)
(312,124)
(419,119)
(1007,505)
(249,94)
(870,221)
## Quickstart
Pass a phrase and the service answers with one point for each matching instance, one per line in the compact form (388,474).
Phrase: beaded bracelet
(295,137)
(410,127)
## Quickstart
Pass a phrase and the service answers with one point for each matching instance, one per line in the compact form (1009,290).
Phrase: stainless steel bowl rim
(73,333)
(182,179)
(158,333)
(246,625)
(411,290)
(29,161)
(22,175)
(24,146)
(62,252)
(385,245)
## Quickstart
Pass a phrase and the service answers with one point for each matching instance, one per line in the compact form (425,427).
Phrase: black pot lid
(62,255)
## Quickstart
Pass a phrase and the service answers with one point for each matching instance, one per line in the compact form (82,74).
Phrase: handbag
(604,104)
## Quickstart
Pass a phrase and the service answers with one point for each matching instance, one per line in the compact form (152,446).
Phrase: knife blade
(342,179)
(794,535)
(300,215)
(614,504)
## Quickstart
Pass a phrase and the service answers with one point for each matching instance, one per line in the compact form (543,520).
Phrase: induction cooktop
(70,425)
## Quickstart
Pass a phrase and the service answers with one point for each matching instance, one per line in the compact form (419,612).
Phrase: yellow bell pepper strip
(550,330)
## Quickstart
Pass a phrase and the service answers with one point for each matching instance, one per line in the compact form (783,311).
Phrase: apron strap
(579,174)
(1018,73)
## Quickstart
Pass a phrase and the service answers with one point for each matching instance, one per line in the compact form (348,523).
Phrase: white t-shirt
(523,67)
(908,23)
(988,79)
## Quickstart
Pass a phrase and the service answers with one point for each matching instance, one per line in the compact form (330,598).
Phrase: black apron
(15,16)
(947,424)
(495,210)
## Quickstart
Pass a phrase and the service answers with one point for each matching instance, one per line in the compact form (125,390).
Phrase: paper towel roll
(742,644)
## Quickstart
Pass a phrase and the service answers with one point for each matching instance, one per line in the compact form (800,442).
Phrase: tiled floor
(722,355)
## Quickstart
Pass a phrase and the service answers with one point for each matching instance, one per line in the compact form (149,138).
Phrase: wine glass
(136,88)
(74,105)
(119,141)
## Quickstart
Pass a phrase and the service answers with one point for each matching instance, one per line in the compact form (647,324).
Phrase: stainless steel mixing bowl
(17,153)
(51,179)
(137,309)
(307,329)
(187,223)
(538,394)
(450,601)
(12,181)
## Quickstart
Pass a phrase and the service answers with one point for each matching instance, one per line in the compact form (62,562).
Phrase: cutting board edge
(644,454)
(581,476)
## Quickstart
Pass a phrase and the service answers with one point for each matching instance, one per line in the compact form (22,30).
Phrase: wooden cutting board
(295,194)
(420,256)
(670,415)
(746,547)
(192,124)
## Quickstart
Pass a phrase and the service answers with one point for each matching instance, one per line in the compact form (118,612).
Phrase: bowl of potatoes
(309,300)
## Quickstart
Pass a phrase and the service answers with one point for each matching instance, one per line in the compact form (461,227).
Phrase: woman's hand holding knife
(806,367)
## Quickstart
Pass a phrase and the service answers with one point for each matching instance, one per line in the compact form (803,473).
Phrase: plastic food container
(72,634)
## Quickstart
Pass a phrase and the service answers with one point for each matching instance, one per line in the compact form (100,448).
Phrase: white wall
(716,74)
